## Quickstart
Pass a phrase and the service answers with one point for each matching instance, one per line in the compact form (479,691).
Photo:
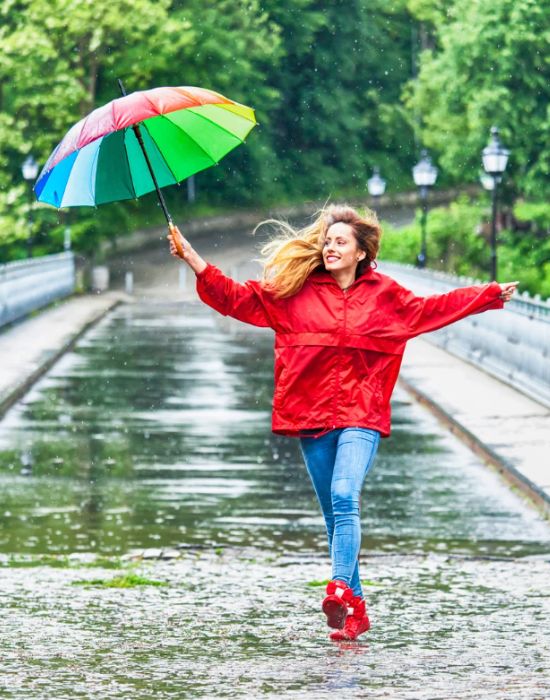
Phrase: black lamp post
(29,169)
(425,175)
(495,159)
(487,181)
(191,189)
(376,185)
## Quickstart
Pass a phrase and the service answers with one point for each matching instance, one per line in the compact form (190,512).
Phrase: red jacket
(338,354)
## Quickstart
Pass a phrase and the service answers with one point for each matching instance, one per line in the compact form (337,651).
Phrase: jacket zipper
(340,353)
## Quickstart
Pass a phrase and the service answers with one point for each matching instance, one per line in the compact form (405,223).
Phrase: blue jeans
(338,462)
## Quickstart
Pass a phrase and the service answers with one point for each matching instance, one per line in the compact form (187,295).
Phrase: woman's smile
(340,250)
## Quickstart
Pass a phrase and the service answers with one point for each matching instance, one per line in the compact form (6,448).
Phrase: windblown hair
(293,254)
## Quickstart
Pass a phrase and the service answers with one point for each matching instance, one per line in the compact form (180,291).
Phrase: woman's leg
(319,457)
(355,453)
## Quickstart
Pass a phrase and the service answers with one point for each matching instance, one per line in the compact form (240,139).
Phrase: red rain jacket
(338,354)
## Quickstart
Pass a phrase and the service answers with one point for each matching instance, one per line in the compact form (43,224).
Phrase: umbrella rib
(153,105)
(84,124)
(128,162)
(144,125)
(191,138)
(94,162)
(159,114)
(215,124)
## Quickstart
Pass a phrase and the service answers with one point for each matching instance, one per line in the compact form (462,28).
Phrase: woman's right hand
(182,249)
(179,247)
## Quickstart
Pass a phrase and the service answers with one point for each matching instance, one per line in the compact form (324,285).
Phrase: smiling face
(340,249)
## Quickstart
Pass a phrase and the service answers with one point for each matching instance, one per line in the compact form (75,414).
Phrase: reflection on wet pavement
(155,433)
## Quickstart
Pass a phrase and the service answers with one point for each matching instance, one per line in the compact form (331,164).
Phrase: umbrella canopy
(183,129)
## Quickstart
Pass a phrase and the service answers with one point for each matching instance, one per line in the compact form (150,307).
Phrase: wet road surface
(155,433)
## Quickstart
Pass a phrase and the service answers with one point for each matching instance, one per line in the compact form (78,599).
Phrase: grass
(125,581)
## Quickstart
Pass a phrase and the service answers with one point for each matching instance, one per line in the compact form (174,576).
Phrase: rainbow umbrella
(141,142)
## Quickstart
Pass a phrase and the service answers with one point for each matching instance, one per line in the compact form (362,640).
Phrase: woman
(340,332)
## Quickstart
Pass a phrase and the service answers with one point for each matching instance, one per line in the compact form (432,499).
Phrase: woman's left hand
(507,289)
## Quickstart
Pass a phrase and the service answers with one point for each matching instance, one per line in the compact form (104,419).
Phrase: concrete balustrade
(512,344)
(26,285)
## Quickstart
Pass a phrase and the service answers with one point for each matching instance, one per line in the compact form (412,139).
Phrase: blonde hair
(290,257)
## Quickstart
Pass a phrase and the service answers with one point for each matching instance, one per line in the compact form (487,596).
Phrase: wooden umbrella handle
(176,237)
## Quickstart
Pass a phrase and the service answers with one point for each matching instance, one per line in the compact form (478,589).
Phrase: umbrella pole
(171,226)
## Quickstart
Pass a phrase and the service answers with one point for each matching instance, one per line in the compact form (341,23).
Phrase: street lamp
(495,159)
(376,185)
(425,175)
(487,182)
(29,169)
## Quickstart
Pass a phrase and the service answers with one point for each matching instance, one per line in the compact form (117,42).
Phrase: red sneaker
(335,605)
(356,622)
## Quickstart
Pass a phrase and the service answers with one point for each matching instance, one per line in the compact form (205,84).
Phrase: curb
(21,388)
(533,493)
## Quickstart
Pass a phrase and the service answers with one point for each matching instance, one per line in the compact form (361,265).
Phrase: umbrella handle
(176,237)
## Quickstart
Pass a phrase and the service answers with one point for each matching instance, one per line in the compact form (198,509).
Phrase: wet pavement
(154,434)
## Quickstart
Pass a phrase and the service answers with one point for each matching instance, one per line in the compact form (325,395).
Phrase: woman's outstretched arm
(230,298)
(424,314)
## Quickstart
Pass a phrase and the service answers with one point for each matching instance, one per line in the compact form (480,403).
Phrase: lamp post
(67,238)
(424,175)
(29,170)
(495,159)
(487,182)
(191,189)
(376,185)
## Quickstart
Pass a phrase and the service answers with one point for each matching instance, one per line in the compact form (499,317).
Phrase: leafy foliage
(454,240)
(324,82)
(490,66)
(340,79)
(458,242)
(328,84)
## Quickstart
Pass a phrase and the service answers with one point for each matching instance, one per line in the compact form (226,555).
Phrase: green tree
(454,240)
(325,81)
(233,46)
(340,79)
(490,66)
(54,56)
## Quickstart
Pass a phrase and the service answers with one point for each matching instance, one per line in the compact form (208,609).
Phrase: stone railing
(27,285)
(512,344)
